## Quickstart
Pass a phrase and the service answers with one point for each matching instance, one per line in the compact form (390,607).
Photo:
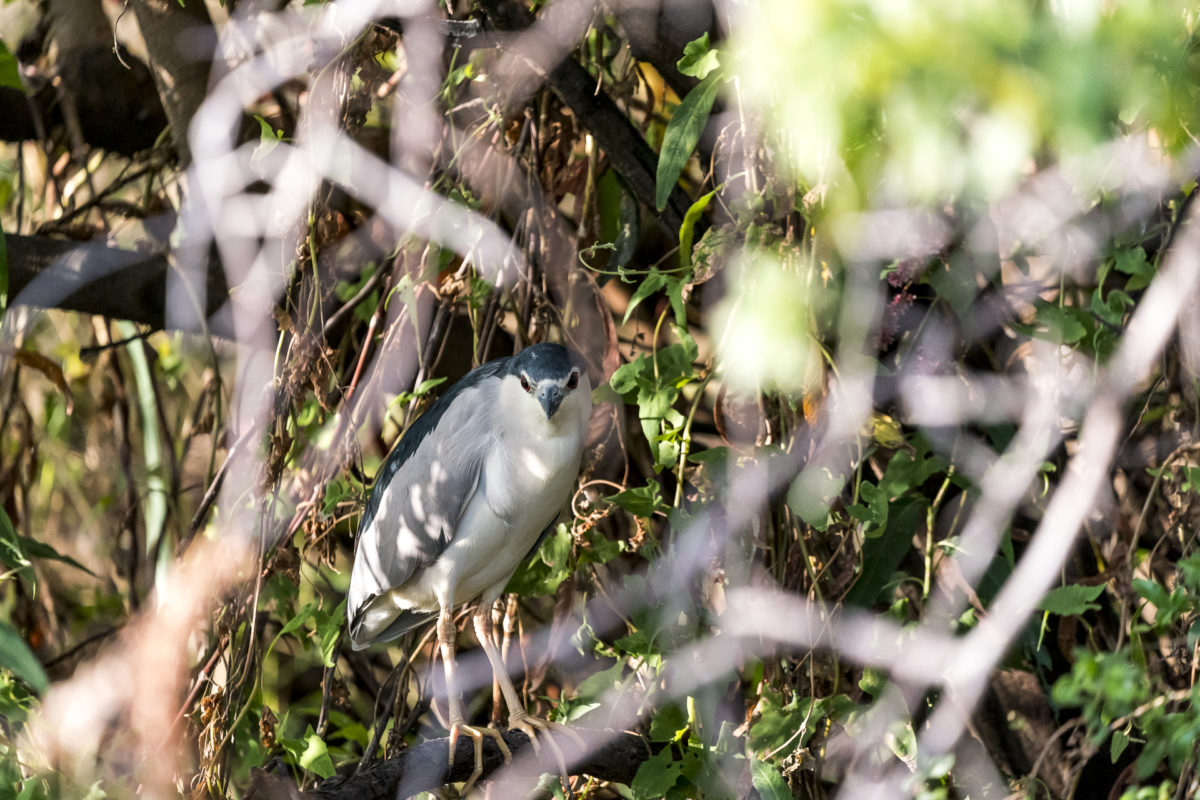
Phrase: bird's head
(549,374)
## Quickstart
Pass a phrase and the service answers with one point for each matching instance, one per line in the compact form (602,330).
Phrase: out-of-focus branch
(611,757)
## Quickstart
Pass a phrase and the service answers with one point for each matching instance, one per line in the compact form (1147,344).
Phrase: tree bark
(93,278)
(179,40)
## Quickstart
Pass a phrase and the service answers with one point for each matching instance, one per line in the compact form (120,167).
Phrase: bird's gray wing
(419,495)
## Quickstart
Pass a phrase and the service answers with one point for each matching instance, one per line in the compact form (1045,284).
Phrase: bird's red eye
(573,381)
(525,384)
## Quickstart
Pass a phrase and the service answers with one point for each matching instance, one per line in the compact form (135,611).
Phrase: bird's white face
(547,397)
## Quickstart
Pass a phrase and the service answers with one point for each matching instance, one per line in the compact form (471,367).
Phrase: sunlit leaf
(699,58)
(315,757)
(688,229)
(682,135)
(310,752)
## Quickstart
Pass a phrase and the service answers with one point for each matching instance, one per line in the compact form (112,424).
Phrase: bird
(467,495)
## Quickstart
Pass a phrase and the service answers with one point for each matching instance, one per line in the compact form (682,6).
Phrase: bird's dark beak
(550,397)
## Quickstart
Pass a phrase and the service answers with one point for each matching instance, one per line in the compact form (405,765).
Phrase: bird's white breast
(527,480)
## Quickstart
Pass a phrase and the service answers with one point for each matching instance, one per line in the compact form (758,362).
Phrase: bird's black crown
(543,361)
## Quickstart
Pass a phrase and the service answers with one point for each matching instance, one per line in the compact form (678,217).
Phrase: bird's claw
(531,726)
(476,735)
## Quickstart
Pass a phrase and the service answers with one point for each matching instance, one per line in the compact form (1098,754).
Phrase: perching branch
(610,756)
(94,278)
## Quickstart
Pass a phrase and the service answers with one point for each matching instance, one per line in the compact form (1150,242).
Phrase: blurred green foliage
(922,101)
(842,107)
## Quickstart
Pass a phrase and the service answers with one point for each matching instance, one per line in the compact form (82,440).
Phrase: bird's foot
(532,726)
(476,735)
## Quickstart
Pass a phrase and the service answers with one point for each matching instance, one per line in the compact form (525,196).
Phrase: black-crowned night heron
(464,498)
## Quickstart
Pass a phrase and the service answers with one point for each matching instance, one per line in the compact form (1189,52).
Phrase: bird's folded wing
(419,496)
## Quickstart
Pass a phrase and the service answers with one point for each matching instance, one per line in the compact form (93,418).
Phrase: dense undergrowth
(892,479)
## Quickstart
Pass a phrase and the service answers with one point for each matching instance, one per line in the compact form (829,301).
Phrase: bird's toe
(533,727)
(476,735)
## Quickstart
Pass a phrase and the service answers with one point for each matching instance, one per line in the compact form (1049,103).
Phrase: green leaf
(11,551)
(267,132)
(778,723)
(1189,569)
(882,554)
(873,681)
(699,58)
(1072,600)
(268,140)
(675,297)
(688,229)
(596,684)
(1120,740)
(681,136)
(668,724)
(1111,309)
(10,75)
(293,624)
(630,230)
(17,550)
(1133,263)
(424,386)
(546,569)
(1153,592)
(655,776)
(1059,325)
(654,281)
(768,782)
(310,752)
(956,286)
(16,656)
(874,515)
(599,549)
(34,789)
(315,757)
(36,549)
(329,628)
(641,501)
(301,617)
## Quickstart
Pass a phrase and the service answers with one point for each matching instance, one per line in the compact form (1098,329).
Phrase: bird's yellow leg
(518,717)
(447,633)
